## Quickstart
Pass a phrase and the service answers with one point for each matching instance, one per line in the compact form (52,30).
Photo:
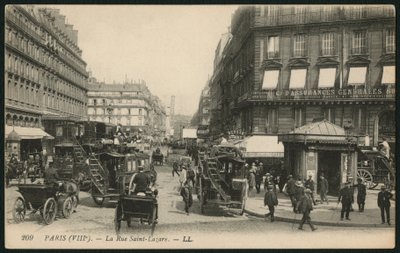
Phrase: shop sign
(384,92)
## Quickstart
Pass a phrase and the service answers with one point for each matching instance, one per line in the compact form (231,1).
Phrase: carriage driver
(141,182)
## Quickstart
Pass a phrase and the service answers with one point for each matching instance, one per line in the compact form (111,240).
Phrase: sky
(171,48)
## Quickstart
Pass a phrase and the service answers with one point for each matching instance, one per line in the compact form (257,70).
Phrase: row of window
(101,102)
(36,52)
(270,118)
(22,121)
(29,71)
(24,22)
(327,77)
(30,93)
(301,13)
(270,48)
(125,121)
(116,111)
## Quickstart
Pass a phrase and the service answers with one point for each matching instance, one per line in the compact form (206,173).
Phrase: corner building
(287,66)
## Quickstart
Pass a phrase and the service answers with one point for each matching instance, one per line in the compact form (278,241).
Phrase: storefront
(321,148)
(30,140)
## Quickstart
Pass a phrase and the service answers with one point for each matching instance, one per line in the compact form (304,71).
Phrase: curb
(320,223)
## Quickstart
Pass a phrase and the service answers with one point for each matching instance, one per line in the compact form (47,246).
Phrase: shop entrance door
(329,166)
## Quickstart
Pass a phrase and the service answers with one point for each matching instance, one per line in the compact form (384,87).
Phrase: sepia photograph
(199,126)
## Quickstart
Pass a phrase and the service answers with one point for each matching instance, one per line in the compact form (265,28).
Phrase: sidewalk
(324,214)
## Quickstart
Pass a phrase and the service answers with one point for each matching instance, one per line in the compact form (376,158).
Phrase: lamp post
(110,110)
(348,127)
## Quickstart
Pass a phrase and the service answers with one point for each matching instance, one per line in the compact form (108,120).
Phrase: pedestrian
(310,185)
(186,189)
(384,197)
(269,182)
(346,197)
(361,194)
(323,190)
(291,190)
(259,177)
(175,168)
(252,178)
(305,207)
(270,200)
(299,192)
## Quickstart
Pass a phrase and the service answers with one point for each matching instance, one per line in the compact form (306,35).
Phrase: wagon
(374,168)
(157,158)
(47,199)
(143,209)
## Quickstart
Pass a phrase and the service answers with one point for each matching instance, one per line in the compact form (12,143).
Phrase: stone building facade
(130,105)
(45,75)
(286,66)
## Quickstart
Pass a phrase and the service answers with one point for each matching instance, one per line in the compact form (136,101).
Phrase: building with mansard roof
(45,75)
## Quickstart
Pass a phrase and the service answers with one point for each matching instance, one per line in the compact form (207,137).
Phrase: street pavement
(324,214)
(217,228)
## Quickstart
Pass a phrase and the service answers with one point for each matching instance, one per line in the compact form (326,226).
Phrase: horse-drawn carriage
(49,199)
(221,178)
(110,172)
(157,157)
(141,207)
(374,167)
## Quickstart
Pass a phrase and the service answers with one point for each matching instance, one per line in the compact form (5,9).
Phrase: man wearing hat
(305,207)
(299,192)
(361,194)
(323,189)
(291,190)
(186,189)
(270,200)
(310,185)
(384,197)
(141,181)
(346,197)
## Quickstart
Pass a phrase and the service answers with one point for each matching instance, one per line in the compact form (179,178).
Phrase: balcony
(327,14)
(14,19)
(330,94)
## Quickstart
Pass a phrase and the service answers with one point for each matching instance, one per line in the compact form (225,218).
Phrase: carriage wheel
(19,210)
(153,221)
(117,218)
(366,176)
(49,211)
(67,207)
(98,200)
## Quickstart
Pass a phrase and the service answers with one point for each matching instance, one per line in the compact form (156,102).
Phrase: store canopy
(27,132)
(261,146)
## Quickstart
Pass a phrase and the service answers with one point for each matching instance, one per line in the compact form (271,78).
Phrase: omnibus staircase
(96,171)
(385,166)
(217,181)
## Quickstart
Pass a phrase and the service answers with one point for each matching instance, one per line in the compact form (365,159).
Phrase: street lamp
(110,110)
(348,128)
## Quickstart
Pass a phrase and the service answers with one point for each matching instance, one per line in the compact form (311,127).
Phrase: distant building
(179,122)
(202,116)
(130,105)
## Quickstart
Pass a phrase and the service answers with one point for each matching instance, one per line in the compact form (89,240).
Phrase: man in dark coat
(291,190)
(259,176)
(141,181)
(299,192)
(310,185)
(361,194)
(346,197)
(270,200)
(323,189)
(305,207)
(384,197)
(175,168)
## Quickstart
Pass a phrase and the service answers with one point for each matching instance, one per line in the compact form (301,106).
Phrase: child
(270,200)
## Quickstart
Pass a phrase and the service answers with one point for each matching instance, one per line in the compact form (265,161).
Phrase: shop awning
(326,77)
(27,132)
(389,75)
(357,75)
(261,146)
(271,78)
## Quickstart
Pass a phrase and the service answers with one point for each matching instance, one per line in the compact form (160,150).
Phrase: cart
(47,199)
(139,208)
(157,157)
(374,168)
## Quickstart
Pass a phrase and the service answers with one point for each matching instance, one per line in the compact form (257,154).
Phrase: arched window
(9,120)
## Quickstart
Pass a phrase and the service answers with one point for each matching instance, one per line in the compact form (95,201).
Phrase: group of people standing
(255,177)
